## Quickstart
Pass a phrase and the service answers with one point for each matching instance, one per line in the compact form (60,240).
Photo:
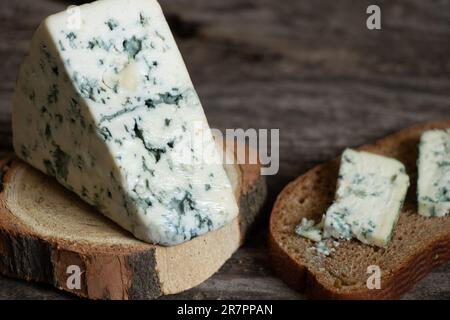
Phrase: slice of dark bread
(418,245)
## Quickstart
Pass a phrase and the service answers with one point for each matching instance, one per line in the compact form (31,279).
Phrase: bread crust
(124,269)
(300,275)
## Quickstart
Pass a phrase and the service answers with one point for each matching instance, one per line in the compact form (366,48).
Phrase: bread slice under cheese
(418,243)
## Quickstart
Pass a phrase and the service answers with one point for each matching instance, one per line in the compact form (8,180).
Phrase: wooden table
(310,68)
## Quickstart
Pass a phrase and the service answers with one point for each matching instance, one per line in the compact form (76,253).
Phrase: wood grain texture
(310,68)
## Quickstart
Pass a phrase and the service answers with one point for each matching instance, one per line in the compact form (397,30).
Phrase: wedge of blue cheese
(433,185)
(369,197)
(108,108)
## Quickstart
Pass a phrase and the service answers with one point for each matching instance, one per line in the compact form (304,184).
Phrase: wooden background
(309,68)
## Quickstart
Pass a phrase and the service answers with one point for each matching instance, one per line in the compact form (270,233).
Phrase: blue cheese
(307,228)
(323,248)
(433,185)
(110,111)
(370,194)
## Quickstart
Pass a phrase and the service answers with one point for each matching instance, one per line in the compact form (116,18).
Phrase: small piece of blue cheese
(108,108)
(433,185)
(323,248)
(370,194)
(309,229)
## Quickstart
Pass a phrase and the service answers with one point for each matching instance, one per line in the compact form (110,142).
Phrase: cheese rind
(369,196)
(433,184)
(110,111)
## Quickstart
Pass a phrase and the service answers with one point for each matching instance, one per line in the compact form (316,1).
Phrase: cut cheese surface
(370,194)
(108,108)
(433,186)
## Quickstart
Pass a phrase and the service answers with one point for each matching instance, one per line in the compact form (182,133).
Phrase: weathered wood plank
(310,68)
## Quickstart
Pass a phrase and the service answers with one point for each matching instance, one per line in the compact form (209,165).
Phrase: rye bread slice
(45,228)
(419,244)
